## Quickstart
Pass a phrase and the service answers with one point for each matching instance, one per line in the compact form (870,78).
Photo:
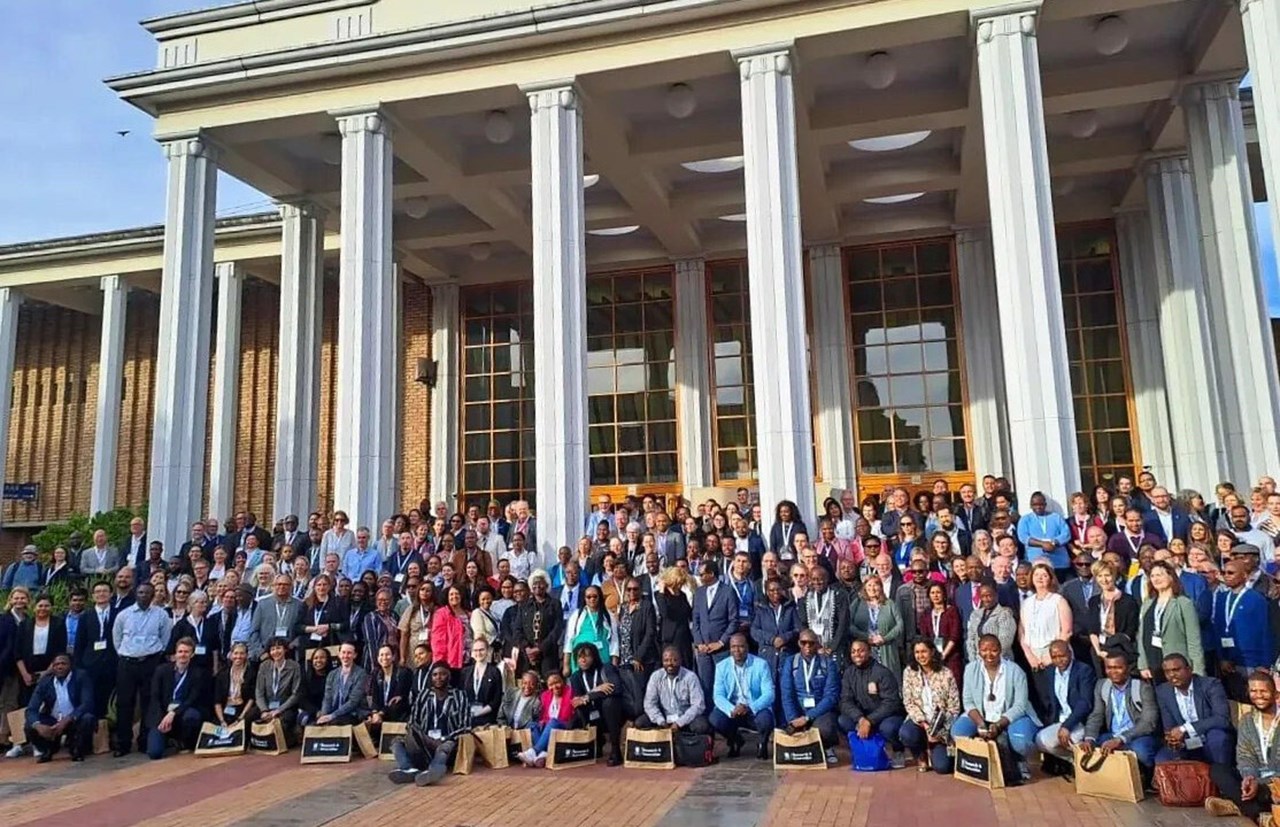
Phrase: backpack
(692,750)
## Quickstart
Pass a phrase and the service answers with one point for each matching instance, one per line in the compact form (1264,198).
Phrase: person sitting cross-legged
(673,698)
(1244,788)
(811,692)
(61,707)
(438,718)
(996,707)
(1072,686)
(743,697)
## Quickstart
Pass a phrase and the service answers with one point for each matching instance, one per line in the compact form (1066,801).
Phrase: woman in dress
(1044,618)
(877,621)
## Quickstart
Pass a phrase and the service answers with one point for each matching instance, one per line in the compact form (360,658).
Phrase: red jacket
(566,705)
(447,635)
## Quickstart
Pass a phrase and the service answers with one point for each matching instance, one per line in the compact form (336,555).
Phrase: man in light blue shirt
(743,695)
(361,558)
(140,633)
(1045,535)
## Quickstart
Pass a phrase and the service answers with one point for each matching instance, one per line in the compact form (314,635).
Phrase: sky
(67,171)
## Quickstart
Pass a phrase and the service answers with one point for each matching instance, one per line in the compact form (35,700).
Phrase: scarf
(819,614)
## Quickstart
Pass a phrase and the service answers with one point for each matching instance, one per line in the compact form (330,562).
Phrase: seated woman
(996,707)
(597,697)
(279,687)
(315,674)
(932,700)
(557,712)
(344,691)
(389,690)
(1245,789)
(522,708)
(234,688)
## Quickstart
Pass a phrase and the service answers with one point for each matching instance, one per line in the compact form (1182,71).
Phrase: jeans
(1219,748)
(411,758)
(541,734)
(185,730)
(890,728)
(1021,733)
(729,727)
(1144,747)
(913,737)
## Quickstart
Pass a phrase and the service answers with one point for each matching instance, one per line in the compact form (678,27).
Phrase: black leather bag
(694,750)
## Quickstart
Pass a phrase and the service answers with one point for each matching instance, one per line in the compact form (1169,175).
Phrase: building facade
(677,247)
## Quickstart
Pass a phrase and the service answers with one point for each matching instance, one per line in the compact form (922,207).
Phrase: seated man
(1125,715)
(673,698)
(1245,788)
(597,698)
(871,701)
(437,719)
(1195,715)
(811,692)
(743,696)
(62,707)
(1070,703)
(180,698)
(996,708)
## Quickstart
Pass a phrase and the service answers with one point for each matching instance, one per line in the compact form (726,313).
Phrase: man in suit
(1069,703)
(1128,541)
(570,593)
(397,563)
(180,700)
(1125,714)
(971,574)
(1195,715)
(1078,592)
(1242,628)
(482,683)
(135,545)
(99,559)
(278,616)
(670,543)
(248,526)
(715,619)
(650,584)
(1165,519)
(95,649)
(62,707)
(744,540)
(291,536)
(969,511)
(198,540)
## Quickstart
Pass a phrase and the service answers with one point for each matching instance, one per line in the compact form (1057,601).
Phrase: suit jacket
(1180,633)
(1249,629)
(644,636)
(110,561)
(209,638)
(719,621)
(1073,592)
(90,632)
(354,702)
(391,698)
(1081,684)
(607,673)
(236,540)
(1212,707)
(128,557)
(972,518)
(300,542)
(768,623)
(1126,616)
(822,687)
(267,618)
(1181,524)
(963,600)
(531,713)
(1140,697)
(57,642)
(196,693)
(44,696)
(490,693)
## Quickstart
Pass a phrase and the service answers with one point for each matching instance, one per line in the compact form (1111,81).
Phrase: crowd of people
(1130,622)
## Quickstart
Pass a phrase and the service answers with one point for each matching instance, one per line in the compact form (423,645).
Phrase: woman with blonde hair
(15,615)
(675,613)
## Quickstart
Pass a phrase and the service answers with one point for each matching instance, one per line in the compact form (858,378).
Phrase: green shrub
(115,523)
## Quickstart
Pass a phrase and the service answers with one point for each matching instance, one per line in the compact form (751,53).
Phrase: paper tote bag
(518,740)
(649,749)
(268,737)
(1115,777)
(464,754)
(102,739)
(800,751)
(18,726)
(978,762)
(327,744)
(220,740)
(571,748)
(491,746)
(364,741)
(391,730)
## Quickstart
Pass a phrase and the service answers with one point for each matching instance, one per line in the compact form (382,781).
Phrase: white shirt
(1166,522)
(40,639)
(992,710)
(1060,677)
(711,594)
(62,706)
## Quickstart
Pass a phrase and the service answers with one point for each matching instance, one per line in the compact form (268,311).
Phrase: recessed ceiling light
(681,102)
(610,231)
(1083,124)
(894,199)
(713,166)
(1111,35)
(589,181)
(737,217)
(880,70)
(888,143)
(416,207)
(498,127)
(480,251)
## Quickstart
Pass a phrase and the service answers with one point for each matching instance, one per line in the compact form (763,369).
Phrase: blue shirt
(140,632)
(73,626)
(1047,526)
(356,562)
(1121,721)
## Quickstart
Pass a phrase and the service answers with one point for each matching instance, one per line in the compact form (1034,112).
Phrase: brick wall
(415,400)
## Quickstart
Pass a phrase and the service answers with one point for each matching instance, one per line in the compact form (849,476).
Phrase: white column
(226,390)
(446,435)
(693,374)
(182,363)
(1139,287)
(1042,427)
(298,379)
(983,357)
(10,302)
(1187,346)
(106,434)
(1237,302)
(366,324)
(784,430)
(1261,19)
(559,316)
(834,391)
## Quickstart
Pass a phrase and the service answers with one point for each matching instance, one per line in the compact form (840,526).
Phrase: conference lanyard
(177,686)
(786,533)
(386,688)
(1133,542)
(807,670)
(103,619)
(1265,735)
(1158,617)
(318,612)
(777,617)
(1232,607)
(199,629)
(401,562)
(275,682)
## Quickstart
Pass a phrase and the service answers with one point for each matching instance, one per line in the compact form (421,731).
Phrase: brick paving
(260,791)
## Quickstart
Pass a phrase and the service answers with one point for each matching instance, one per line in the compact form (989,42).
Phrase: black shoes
(762,750)
(615,760)
(44,759)
(735,748)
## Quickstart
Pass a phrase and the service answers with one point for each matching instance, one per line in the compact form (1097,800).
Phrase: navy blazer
(964,601)
(1212,708)
(776,541)
(79,689)
(1249,630)
(88,633)
(1080,686)
(823,687)
(1181,524)
(718,622)
(766,626)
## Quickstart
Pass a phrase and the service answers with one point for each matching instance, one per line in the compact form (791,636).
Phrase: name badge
(173,707)
(434,734)
(476,709)
(316,636)
(423,635)
(202,650)
(229,710)
(99,646)
(1228,643)
(399,578)
(1193,742)
(273,705)
(282,631)
(873,689)
(808,703)
(594,716)
(1157,642)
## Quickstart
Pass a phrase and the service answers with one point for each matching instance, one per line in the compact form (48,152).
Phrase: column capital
(822,252)
(113,282)
(228,269)
(1007,19)
(358,119)
(1166,163)
(11,295)
(689,265)
(300,207)
(193,144)
(779,58)
(1210,89)
(972,234)
(561,93)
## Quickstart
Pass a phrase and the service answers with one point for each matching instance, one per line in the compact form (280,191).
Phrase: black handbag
(693,750)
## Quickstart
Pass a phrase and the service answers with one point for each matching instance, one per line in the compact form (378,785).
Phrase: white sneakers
(527,757)
(16,751)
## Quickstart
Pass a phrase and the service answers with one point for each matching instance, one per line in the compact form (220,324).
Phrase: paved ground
(259,791)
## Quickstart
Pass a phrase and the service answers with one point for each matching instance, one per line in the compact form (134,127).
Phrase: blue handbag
(868,754)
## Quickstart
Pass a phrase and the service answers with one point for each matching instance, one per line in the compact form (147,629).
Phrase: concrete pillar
(559,316)
(106,434)
(834,391)
(983,355)
(367,335)
(1042,427)
(298,376)
(226,390)
(446,435)
(1187,344)
(784,430)
(10,302)
(693,374)
(182,363)
(1140,290)
(1237,303)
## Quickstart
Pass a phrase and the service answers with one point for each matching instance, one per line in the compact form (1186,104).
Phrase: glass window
(733,405)
(1097,352)
(906,366)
